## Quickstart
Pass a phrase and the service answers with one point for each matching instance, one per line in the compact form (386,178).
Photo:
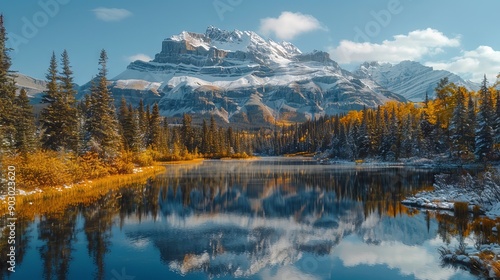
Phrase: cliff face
(242,78)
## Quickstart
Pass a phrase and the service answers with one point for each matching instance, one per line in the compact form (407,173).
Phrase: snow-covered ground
(482,190)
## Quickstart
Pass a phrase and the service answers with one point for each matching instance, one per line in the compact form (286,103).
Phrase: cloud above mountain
(111,14)
(412,46)
(139,56)
(472,64)
(289,25)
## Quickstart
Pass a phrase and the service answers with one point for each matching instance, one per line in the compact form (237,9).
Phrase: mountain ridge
(409,78)
(240,77)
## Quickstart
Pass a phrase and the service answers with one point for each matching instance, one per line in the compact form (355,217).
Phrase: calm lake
(271,218)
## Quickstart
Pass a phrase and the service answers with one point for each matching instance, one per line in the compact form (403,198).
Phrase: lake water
(272,218)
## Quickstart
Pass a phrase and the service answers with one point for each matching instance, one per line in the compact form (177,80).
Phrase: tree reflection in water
(222,218)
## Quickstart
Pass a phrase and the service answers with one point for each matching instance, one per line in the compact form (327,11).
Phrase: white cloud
(139,56)
(111,14)
(287,272)
(289,25)
(409,260)
(473,64)
(412,46)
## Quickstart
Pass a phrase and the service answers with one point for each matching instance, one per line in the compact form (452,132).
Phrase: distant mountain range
(408,78)
(33,87)
(239,77)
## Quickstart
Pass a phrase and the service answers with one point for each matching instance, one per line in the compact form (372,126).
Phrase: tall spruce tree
(407,141)
(187,135)
(51,118)
(68,108)
(484,129)
(131,134)
(7,96)
(143,124)
(496,120)
(470,134)
(204,138)
(26,138)
(458,125)
(59,119)
(363,140)
(102,125)
(155,128)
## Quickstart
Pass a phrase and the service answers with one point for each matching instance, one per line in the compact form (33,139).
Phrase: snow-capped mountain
(34,87)
(242,78)
(408,78)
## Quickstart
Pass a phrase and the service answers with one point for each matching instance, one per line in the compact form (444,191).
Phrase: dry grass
(56,199)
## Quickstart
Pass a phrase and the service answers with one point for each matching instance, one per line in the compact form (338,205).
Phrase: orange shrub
(40,169)
(89,166)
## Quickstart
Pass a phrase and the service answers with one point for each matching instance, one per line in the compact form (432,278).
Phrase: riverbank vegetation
(71,141)
(56,200)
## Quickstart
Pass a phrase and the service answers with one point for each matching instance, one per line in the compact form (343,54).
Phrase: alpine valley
(240,78)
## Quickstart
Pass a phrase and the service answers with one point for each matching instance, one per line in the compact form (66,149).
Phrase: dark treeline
(143,128)
(458,125)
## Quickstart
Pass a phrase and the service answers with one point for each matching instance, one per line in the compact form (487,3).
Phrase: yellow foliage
(123,164)
(352,117)
(89,166)
(144,158)
(38,170)
(53,200)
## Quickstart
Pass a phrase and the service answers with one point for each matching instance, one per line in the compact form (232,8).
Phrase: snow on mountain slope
(34,87)
(242,78)
(408,78)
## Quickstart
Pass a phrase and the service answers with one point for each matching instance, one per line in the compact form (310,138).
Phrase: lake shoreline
(28,202)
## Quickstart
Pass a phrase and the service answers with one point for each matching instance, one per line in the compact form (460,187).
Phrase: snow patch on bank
(482,190)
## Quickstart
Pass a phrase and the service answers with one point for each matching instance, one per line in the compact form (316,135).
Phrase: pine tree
(204,138)
(484,130)
(122,116)
(496,121)
(155,128)
(407,143)
(458,125)
(417,138)
(51,117)
(60,118)
(102,125)
(7,96)
(363,140)
(187,136)
(68,108)
(212,137)
(352,135)
(165,133)
(131,131)
(143,124)
(377,130)
(393,137)
(26,138)
(470,133)
(426,128)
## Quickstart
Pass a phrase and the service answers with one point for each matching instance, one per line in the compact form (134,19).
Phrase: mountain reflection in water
(264,219)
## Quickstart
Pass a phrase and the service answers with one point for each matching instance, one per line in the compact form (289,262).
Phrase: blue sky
(459,36)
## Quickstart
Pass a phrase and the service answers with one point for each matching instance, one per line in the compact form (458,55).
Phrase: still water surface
(272,218)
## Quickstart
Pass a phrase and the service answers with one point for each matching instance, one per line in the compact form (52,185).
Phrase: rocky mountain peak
(239,77)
